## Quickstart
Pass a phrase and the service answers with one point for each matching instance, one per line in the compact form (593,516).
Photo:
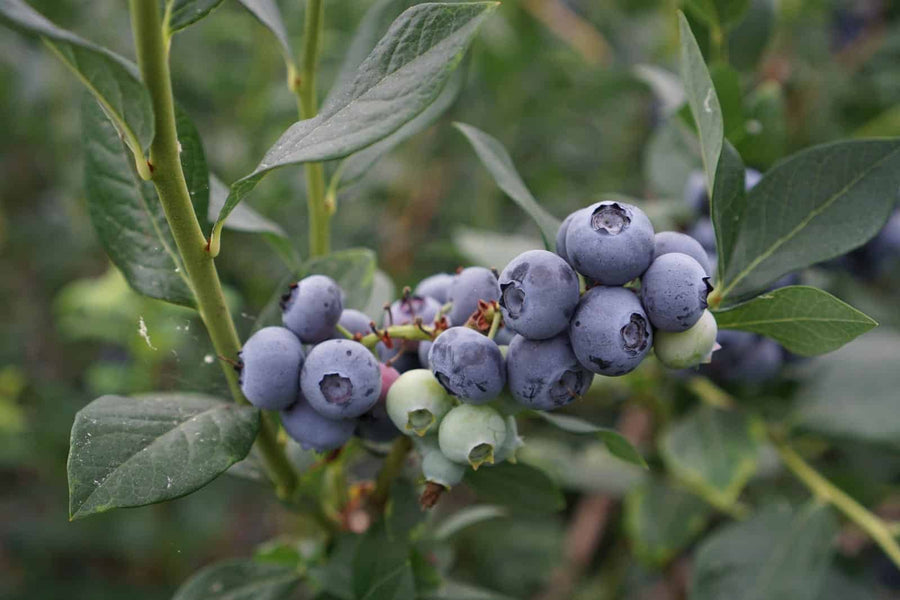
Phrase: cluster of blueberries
(439,380)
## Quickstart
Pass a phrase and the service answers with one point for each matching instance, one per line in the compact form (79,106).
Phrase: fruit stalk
(390,470)
(305,89)
(168,178)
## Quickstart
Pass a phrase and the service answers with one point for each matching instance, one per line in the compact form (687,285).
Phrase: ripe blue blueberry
(313,431)
(424,349)
(340,379)
(408,360)
(504,336)
(545,374)
(679,350)
(376,425)
(312,308)
(673,291)
(610,332)
(561,236)
(695,195)
(611,243)
(745,358)
(703,232)
(472,434)
(435,286)
(270,368)
(668,242)
(353,321)
(416,402)
(406,310)
(468,287)
(469,365)
(538,294)
(751,178)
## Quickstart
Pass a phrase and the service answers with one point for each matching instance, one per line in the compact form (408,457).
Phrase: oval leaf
(193,164)
(127,215)
(714,451)
(403,75)
(803,319)
(240,579)
(776,554)
(186,12)
(615,442)
(267,13)
(353,270)
(812,206)
(499,164)
(112,80)
(243,217)
(520,487)
(381,567)
(135,451)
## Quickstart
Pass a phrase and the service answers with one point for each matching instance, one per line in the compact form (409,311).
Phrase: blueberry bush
(618,400)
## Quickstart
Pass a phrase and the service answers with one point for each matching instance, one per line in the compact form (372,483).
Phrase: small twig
(390,470)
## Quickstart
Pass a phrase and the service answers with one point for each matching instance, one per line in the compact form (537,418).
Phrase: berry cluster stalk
(168,178)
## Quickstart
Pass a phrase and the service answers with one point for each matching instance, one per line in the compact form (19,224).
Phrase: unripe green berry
(507,450)
(472,434)
(436,467)
(679,350)
(417,402)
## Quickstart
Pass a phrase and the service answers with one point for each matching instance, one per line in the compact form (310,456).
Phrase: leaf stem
(826,491)
(495,325)
(305,89)
(168,178)
(390,470)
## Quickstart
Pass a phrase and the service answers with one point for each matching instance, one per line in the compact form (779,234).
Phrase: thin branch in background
(575,31)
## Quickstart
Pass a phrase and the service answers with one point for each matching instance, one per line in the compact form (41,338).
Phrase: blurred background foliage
(567,86)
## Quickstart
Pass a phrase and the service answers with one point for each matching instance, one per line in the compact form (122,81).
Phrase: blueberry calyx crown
(610,219)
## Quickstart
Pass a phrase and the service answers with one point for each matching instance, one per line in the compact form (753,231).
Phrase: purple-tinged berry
(270,368)
(674,291)
(313,431)
(468,287)
(469,365)
(341,379)
(538,294)
(545,374)
(312,308)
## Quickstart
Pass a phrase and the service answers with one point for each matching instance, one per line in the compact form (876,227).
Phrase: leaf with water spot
(240,579)
(133,451)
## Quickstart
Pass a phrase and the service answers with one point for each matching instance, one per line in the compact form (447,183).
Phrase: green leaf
(403,512)
(718,11)
(727,204)
(747,39)
(813,206)
(615,442)
(112,80)
(662,520)
(703,100)
(353,270)
(775,554)
(240,579)
(401,77)
(803,319)
(671,154)
(517,486)
(352,168)
(452,590)
(466,517)
(852,394)
(267,13)
(243,217)
(713,451)
(383,290)
(490,248)
(666,86)
(727,84)
(188,12)
(765,134)
(145,449)
(127,215)
(193,163)
(499,164)
(381,567)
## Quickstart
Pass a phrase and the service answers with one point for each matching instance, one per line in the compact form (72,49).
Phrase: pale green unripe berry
(417,402)
(436,467)
(679,350)
(471,434)
(507,450)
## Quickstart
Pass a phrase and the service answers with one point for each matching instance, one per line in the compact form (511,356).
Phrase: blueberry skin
(436,467)
(472,435)
(406,311)
(424,349)
(674,291)
(353,321)
(313,431)
(504,336)
(341,379)
(545,374)
(376,425)
(468,287)
(610,332)
(703,232)
(435,286)
(469,365)
(668,242)
(408,361)
(745,358)
(270,373)
(538,294)
(611,243)
(561,235)
(312,308)
(695,195)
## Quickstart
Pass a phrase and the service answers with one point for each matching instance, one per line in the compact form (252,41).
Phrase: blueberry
(545,374)
(611,242)
(561,236)
(406,361)
(424,349)
(751,178)
(673,291)
(355,322)
(703,232)
(668,242)
(679,350)
(312,308)
(270,372)
(313,431)
(435,286)
(507,450)
(436,467)
(376,425)
(471,434)
(504,336)
(695,194)
(610,332)
(468,287)
(341,379)
(416,402)
(407,310)
(538,294)
(745,358)
(469,365)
